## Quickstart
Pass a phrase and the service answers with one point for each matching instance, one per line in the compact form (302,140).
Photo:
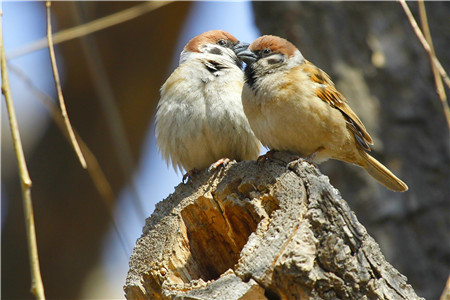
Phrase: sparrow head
(270,53)
(213,43)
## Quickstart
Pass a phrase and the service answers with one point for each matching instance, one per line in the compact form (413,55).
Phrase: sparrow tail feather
(382,174)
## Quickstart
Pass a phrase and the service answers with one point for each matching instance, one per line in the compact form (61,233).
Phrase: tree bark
(250,231)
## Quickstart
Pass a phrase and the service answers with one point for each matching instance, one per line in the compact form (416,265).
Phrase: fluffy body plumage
(200,118)
(294,106)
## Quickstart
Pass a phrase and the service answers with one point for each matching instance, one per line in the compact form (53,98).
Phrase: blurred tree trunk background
(374,57)
(371,52)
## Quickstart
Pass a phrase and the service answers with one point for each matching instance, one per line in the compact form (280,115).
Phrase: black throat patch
(250,76)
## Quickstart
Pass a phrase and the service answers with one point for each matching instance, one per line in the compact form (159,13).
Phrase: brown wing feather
(328,93)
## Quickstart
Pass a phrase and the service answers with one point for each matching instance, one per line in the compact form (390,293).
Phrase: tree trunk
(247,231)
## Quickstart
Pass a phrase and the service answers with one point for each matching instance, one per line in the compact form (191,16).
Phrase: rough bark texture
(377,62)
(259,232)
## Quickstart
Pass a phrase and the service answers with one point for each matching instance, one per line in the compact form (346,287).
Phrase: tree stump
(249,231)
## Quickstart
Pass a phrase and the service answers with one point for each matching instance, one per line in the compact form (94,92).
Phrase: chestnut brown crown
(274,44)
(209,37)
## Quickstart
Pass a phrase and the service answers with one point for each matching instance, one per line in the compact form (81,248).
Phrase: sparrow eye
(222,42)
(267,51)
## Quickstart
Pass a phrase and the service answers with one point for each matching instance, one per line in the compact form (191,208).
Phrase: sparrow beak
(240,46)
(241,50)
(247,56)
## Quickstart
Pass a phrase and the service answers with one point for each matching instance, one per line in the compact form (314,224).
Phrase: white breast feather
(206,124)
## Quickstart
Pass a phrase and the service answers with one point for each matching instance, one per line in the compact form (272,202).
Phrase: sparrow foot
(220,162)
(310,158)
(189,175)
(294,161)
(263,158)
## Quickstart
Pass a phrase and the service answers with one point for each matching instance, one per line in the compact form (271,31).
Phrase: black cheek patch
(215,50)
(273,61)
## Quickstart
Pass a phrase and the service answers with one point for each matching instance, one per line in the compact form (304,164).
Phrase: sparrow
(200,119)
(293,106)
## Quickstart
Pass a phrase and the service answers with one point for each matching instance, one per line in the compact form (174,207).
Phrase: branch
(62,105)
(108,101)
(425,44)
(94,169)
(251,232)
(91,27)
(37,287)
(437,77)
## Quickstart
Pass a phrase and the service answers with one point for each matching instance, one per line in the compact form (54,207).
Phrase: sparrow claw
(310,158)
(263,158)
(189,175)
(220,162)
(293,161)
(295,157)
(291,165)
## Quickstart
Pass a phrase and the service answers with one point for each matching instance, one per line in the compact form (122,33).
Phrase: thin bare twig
(37,287)
(108,103)
(91,27)
(93,167)
(437,77)
(425,44)
(62,105)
